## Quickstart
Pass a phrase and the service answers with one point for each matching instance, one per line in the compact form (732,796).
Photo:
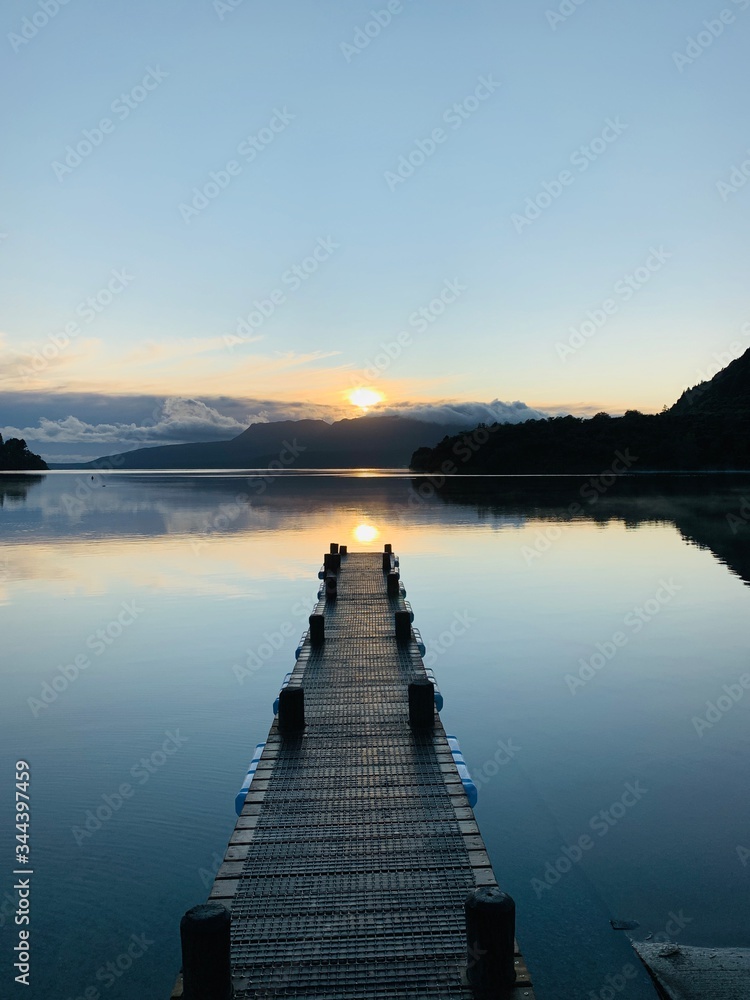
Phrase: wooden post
(292,709)
(388,548)
(331,588)
(387,562)
(403,626)
(332,562)
(206,960)
(343,550)
(393,588)
(490,940)
(317,629)
(334,548)
(422,704)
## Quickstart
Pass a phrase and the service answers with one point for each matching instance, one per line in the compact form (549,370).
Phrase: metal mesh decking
(356,848)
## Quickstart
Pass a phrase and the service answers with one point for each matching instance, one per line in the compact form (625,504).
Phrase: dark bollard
(387,562)
(332,562)
(422,704)
(331,588)
(206,961)
(403,626)
(343,550)
(334,548)
(388,548)
(490,933)
(393,587)
(317,629)
(292,709)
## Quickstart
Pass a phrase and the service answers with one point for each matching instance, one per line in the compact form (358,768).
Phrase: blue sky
(316,129)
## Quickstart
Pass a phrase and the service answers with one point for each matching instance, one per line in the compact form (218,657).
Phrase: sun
(365,398)
(365,533)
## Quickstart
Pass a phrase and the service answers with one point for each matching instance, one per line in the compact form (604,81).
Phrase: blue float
(470,788)
(420,644)
(239,800)
(287,678)
(438,695)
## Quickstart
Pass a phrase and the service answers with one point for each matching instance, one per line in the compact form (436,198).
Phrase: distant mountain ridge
(361,442)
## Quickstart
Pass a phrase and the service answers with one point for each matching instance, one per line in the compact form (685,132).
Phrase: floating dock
(685,973)
(356,868)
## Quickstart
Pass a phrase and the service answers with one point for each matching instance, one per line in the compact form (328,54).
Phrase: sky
(217,212)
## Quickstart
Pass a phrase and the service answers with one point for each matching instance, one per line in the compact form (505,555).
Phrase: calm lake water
(577,655)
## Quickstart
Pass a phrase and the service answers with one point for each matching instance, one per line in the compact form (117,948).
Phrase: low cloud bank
(177,420)
(465,414)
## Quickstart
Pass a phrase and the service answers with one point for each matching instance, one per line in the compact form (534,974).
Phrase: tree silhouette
(16,457)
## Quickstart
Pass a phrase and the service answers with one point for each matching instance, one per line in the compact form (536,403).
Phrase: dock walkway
(348,870)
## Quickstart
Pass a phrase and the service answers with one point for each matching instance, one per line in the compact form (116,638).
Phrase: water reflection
(515,584)
(711,512)
(708,512)
(14,488)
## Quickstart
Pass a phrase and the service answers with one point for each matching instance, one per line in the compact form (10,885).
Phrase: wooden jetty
(356,868)
(680,972)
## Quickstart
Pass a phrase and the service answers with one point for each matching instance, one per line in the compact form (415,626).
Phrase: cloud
(464,414)
(176,420)
(151,352)
(27,366)
(98,407)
